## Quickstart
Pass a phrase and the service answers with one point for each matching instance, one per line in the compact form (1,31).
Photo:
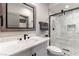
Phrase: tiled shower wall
(61,36)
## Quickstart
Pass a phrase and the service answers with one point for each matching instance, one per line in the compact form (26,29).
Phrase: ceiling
(57,7)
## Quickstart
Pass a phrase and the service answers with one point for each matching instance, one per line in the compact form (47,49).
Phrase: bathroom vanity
(35,46)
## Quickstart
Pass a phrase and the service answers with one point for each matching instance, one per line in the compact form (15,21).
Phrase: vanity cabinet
(38,50)
(23,53)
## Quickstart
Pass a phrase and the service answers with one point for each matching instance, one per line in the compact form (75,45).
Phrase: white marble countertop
(15,46)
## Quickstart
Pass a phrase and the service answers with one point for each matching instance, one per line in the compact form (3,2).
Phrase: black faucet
(25,36)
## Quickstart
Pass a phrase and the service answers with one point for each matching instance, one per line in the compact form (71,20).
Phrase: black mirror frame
(1,21)
(34,18)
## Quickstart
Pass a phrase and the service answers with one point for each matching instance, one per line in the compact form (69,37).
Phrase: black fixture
(1,20)
(46,35)
(66,50)
(20,39)
(28,37)
(34,54)
(62,11)
(25,35)
(53,28)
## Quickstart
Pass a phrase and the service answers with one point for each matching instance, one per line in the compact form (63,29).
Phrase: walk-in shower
(64,30)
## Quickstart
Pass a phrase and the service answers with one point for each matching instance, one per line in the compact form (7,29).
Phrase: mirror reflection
(20,15)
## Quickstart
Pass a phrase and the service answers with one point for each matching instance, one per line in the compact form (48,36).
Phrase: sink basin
(15,45)
(35,38)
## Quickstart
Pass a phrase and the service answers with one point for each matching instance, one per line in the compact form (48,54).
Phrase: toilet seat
(55,50)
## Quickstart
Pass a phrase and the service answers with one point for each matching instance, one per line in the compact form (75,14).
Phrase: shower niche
(71,27)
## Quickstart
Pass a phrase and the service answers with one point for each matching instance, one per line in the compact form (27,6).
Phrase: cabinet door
(24,53)
(40,50)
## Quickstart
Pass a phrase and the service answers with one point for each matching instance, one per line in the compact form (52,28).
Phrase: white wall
(41,15)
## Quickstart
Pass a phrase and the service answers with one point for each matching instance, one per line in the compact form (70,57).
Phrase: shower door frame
(55,15)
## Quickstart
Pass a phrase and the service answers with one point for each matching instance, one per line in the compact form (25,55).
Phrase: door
(52,29)
(55,29)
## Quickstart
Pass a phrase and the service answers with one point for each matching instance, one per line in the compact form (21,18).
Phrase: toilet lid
(54,48)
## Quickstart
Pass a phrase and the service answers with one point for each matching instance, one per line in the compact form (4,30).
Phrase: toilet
(54,51)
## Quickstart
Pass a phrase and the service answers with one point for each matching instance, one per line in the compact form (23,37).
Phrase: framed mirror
(1,16)
(1,22)
(20,16)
